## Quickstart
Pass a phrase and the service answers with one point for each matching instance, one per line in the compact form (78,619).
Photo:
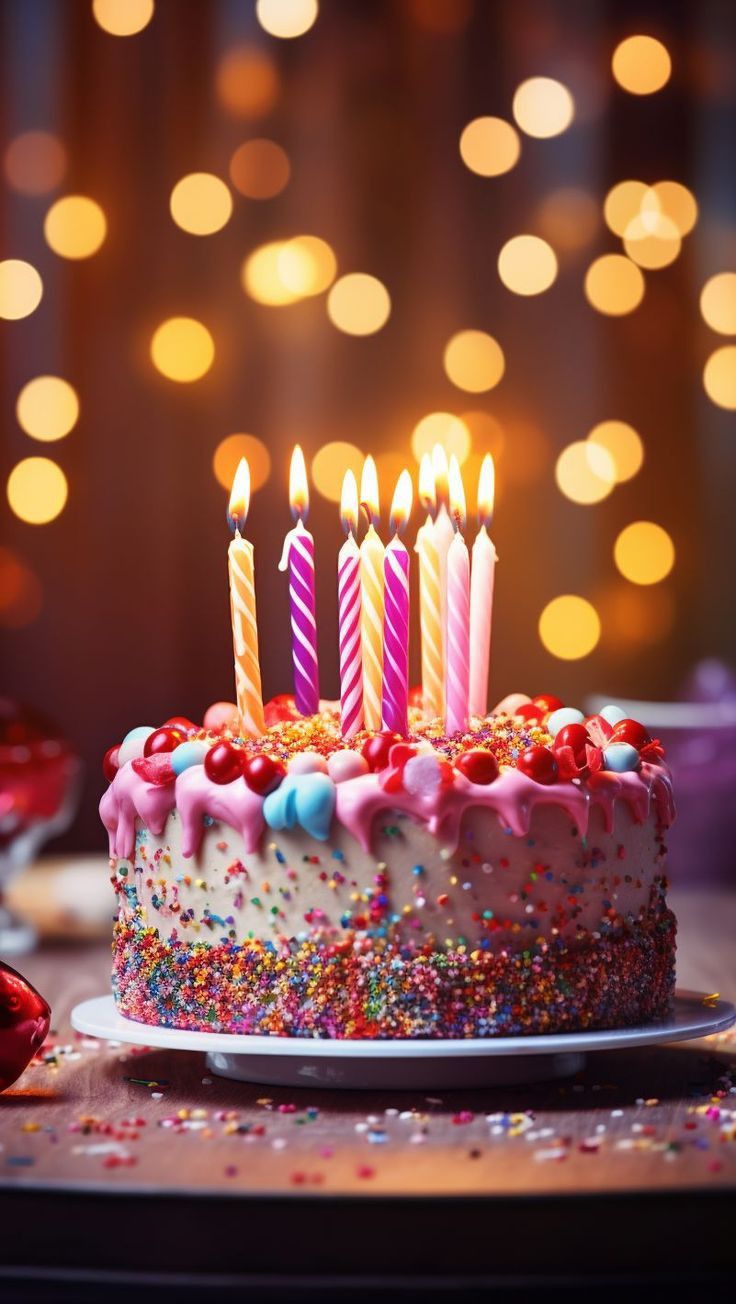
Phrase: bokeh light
(569,627)
(489,146)
(527,265)
(37,490)
(622,204)
(474,361)
(123,17)
(719,377)
(260,169)
(21,596)
(614,285)
(652,240)
(641,65)
(644,553)
(284,271)
(35,162)
(718,303)
(358,304)
(623,445)
(182,349)
(568,218)
(228,453)
(675,202)
(441,428)
(286,18)
(247,82)
(21,289)
(47,408)
(75,227)
(543,107)
(585,473)
(201,203)
(329,465)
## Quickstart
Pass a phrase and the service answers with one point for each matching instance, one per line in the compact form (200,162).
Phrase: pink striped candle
(457,683)
(395,699)
(349,603)
(298,554)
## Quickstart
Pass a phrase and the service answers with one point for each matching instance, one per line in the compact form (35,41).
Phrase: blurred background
(230,226)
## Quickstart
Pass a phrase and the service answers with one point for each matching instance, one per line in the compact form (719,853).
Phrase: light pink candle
(349,604)
(481,593)
(444,529)
(457,673)
(395,696)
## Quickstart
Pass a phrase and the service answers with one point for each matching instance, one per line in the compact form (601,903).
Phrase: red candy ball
(630,731)
(539,764)
(478,765)
(164,739)
(181,724)
(529,711)
(223,762)
(376,750)
(110,763)
(262,773)
(575,736)
(547,703)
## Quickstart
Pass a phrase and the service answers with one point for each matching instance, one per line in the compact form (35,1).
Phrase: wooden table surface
(98,1129)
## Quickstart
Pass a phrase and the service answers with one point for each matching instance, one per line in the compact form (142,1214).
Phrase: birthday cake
(509,879)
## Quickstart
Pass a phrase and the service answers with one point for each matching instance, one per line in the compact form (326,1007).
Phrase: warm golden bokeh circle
(286,19)
(283,271)
(35,162)
(123,17)
(568,218)
(489,146)
(21,289)
(21,596)
(675,202)
(259,169)
(719,377)
(569,627)
(247,82)
(652,240)
(622,204)
(329,465)
(644,552)
(37,490)
(543,107)
(623,445)
(585,473)
(614,285)
(358,304)
(474,361)
(47,408)
(201,203)
(718,303)
(75,227)
(527,265)
(441,428)
(228,453)
(641,65)
(182,349)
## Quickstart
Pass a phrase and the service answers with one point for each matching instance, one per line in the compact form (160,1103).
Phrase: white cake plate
(406,1063)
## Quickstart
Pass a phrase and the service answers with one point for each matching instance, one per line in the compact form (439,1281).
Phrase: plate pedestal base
(392,1074)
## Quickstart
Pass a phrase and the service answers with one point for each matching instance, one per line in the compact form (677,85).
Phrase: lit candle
(430,602)
(371,615)
(298,555)
(348,598)
(243,610)
(458,613)
(481,592)
(443,527)
(395,707)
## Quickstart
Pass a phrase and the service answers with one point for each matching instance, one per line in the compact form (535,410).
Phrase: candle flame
(369,490)
(237,511)
(486,490)
(439,466)
(349,503)
(298,486)
(402,502)
(427,495)
(458,510)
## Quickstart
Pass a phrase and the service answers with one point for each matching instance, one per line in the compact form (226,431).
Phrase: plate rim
(99,1017)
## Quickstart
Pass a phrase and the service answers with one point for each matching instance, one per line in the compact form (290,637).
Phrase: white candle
(481,593)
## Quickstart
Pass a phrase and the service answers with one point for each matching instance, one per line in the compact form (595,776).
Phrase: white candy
(346,765)
(422,776)
(307,763)
(509,704)
(131,748)
(565,715)
(612,714)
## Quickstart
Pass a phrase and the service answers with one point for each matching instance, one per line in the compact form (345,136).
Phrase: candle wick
(457,517)
(367,512)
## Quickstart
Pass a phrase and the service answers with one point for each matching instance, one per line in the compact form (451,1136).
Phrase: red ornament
(181,724)
(223,762)
(547,702)
(529,711)
(630,731)
(110,763)
(164,739)
(539,764)
(377,749)
(574,736)
(599,729)
(478,765)
(25,1018)
(262,773)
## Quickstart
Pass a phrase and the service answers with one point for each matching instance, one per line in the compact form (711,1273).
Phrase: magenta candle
(349,606)
(298,554)
(395,697)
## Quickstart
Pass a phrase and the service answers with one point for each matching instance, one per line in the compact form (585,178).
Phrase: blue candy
(620,757)
(187,754)
(612,713)
(305,799)
(565,715)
